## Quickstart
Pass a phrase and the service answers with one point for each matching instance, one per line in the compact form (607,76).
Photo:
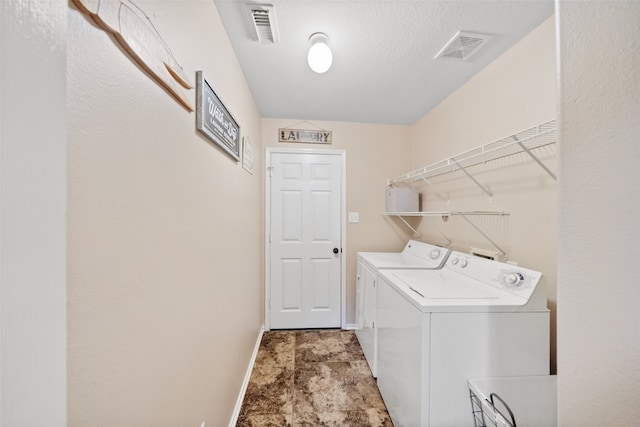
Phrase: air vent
(462,46)
(263,17)
(485,253)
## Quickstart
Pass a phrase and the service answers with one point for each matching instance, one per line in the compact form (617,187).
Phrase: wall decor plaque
(214,120)
(308,136)
(247,155)
(135,32)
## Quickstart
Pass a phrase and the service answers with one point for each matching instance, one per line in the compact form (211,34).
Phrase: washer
(415,255)
(438,328)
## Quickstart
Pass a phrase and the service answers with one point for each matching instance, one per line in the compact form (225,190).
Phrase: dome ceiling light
(319,56)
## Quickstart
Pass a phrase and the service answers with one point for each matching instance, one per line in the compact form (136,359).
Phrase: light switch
(354,216)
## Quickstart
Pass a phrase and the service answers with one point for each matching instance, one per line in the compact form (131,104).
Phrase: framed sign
(214,120)
(247,155)
(304,136)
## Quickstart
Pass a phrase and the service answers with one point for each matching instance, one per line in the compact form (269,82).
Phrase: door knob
(335,250)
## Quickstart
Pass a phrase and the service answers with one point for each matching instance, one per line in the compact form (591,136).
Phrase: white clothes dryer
(415,255)
(438,328)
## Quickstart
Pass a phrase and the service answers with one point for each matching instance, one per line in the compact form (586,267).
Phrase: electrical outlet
(354,217)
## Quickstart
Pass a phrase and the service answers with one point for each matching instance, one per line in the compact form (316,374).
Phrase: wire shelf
(445,213)
(524,141)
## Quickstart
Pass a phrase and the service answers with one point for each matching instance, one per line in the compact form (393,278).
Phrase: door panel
(291,277)
(305,227)
(292,223)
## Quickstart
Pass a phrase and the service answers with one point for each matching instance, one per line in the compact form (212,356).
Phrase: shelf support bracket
(535,158)
(439,194)
(415,232)
(489,193)
(504,254)
(450,244)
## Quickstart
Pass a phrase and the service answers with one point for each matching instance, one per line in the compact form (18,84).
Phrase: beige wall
(374,153)
(164,242)
(515,92)
(598,233)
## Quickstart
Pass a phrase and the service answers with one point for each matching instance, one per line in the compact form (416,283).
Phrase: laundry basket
(514,401)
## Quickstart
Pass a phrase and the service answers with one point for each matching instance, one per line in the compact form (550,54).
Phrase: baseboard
(245,383)
(350,326)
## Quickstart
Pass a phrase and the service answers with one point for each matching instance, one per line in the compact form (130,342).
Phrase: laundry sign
(304,136)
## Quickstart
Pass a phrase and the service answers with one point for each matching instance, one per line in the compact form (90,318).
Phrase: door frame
(343,227)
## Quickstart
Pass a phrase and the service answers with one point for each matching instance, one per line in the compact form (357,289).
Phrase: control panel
(426,251)
(509,278)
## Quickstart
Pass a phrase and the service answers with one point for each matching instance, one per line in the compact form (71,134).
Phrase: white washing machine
(415,255)
(438,328)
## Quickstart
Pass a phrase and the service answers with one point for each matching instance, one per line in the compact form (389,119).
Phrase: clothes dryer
(438,328)
(415,255)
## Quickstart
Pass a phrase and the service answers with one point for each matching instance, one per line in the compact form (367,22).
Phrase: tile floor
(312,378)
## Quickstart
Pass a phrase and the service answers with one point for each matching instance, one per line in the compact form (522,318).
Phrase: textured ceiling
(383,68)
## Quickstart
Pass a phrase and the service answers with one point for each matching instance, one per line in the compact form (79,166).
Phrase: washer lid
(414,255)
(448,291)
(439,287)
(397,260)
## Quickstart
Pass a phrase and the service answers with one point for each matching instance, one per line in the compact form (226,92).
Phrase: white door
(304,239)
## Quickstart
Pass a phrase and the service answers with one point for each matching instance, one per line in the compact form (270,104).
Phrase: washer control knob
(454,261)
(463,263)
(513,279)
(434,254)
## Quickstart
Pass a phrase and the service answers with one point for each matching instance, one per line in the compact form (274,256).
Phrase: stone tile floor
(312,378)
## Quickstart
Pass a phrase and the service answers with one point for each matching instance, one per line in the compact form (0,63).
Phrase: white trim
(351,327)
(267,234)
(245,383)
(343,249)
(343,230)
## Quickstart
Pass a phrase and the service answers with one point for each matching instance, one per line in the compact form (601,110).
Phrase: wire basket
(485,414)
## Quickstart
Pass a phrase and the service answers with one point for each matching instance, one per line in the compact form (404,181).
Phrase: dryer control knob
(454,261)
(513,279)
(434,254)
(463,263)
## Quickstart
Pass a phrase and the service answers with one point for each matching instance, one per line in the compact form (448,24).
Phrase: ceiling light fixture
(319,56)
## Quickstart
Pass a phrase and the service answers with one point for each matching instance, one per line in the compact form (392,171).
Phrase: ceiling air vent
(462,46)
(263,17)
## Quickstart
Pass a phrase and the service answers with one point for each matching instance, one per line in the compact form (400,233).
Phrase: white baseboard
(350,326)
(245,383)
